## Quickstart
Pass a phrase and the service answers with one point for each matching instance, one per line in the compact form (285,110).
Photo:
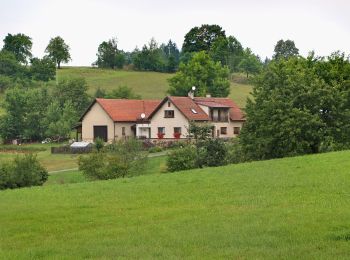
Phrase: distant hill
(292,208)
(147,84)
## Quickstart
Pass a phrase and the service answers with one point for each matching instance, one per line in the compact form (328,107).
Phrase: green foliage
(58,51)
(100,93)
(99,144)
(201,38)
(24,171)
(10,67)
(295,111)
(20,45)
(250,63)
(212,152)
(163,58)
(42,69)
(285,49)
(108,55)
(73,90)
(182,159)
(121,159)
(122,92)
(228,51)
(149,58)
(234,152)
(25,110)
(201,71)
(200,131)
(60,120)
(5,83)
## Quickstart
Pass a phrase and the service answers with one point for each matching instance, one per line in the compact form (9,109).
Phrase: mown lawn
(294,208)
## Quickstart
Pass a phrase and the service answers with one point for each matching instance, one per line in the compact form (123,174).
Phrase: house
(112,119)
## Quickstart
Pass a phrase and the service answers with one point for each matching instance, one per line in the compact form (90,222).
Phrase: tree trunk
(58,64)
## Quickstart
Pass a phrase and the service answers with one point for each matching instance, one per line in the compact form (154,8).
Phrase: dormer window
(194,111)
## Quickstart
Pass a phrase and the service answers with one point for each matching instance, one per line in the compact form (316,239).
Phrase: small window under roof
(194,111)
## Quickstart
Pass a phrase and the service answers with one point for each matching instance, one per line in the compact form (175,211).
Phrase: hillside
(147,84)
(288,208)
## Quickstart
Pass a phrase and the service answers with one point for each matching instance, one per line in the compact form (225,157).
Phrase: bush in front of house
(212,153)
(124,158)
(182,159)
(23,171)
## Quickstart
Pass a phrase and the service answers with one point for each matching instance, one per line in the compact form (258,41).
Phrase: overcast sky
(322,26)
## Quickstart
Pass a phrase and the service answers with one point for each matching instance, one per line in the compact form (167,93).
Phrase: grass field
(52,162)
(148,84)
(293,208)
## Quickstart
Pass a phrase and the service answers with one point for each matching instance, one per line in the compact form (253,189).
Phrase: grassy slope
(147,84)
(288,208)
(154,165)
(52,162)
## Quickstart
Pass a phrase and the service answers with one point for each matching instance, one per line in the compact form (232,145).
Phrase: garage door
(101,132)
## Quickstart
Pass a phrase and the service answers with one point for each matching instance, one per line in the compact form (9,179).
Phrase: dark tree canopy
(201,71)
(108,55)
(250,63)
(20,45)
(285,49)
(300,106)
(58,51)
(42,69)
(202,38)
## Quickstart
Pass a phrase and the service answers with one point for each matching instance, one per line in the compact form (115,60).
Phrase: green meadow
(147,84)
(292,208)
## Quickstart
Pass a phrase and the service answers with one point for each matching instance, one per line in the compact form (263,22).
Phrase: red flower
(160,135)
(177,135)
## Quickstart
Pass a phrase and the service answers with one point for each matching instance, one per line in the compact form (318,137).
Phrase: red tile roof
(130,110)
(127,110)
(236,113)
(189,108)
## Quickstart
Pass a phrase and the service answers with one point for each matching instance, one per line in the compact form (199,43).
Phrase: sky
(322,26)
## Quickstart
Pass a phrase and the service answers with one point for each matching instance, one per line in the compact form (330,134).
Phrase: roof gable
(186,106)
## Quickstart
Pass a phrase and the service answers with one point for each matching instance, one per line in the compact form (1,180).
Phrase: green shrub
(120,159)
(212,153)
(99,144)
(234,152)
(155,149)
(24,171)
(182,159)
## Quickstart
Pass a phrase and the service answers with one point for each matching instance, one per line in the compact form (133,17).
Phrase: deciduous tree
(201,71)
(58,51)
(20,45)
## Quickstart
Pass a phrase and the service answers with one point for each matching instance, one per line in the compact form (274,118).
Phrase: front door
(101,132)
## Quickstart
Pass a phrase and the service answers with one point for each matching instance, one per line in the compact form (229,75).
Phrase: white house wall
(96,117)
(179,120)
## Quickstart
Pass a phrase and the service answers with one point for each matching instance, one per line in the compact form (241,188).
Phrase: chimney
(191,93)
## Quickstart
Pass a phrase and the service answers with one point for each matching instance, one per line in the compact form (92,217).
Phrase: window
(223,130)
(177,130)
(236,130)
(169,113)
(123,130)
(161,130)
(169,104)
(194,111)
